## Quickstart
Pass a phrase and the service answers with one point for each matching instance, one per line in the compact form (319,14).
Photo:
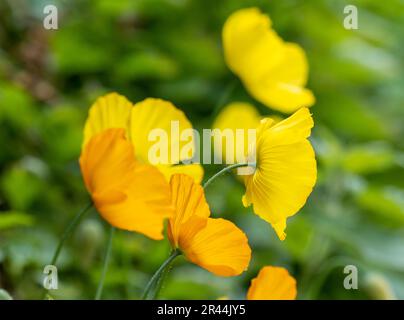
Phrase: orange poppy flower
(272,283)
(128,194)
(216,245)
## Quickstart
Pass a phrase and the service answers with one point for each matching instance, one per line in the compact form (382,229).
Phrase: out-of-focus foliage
(172,49)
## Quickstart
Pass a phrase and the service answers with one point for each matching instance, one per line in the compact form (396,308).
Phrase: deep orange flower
(216,245)
(128,194)
(272,283)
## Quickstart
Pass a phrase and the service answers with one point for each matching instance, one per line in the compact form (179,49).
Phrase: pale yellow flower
(235,116)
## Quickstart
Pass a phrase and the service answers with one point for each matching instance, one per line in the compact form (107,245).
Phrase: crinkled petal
(293,129)
(286,170)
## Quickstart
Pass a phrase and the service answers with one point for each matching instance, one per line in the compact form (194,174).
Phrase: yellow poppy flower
(138,120)
(272,283)
(217,245)
(285,171)
(273,71)
(128,194)
(233,117)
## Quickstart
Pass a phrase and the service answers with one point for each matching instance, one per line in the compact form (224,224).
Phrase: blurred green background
(172,49)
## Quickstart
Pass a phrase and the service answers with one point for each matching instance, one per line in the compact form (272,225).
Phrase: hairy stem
(223,171)
(158,274)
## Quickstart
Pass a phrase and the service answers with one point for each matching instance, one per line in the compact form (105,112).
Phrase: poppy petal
(109,111)
(129,195)
(188,199)
(272,283)
(220,247)
(286,170)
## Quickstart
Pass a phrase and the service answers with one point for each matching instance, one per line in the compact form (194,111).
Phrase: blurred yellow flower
(115,111)
(234,116)
(285,171)
(272,283)
(217,245)
(273,71)
(128,194)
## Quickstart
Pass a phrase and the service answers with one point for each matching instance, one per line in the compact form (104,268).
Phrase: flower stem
(156,277)
(73,224)
(105,265)
(223,171)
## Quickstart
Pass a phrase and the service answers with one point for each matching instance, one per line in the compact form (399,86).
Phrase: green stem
(105,265)
(73,224)
(160,281)
(223,171)
(156,277)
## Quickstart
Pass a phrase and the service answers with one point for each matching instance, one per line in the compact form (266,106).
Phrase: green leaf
(10,219)
(386,204)
(16,106)
(14,185)
(369,158)
(149,65)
